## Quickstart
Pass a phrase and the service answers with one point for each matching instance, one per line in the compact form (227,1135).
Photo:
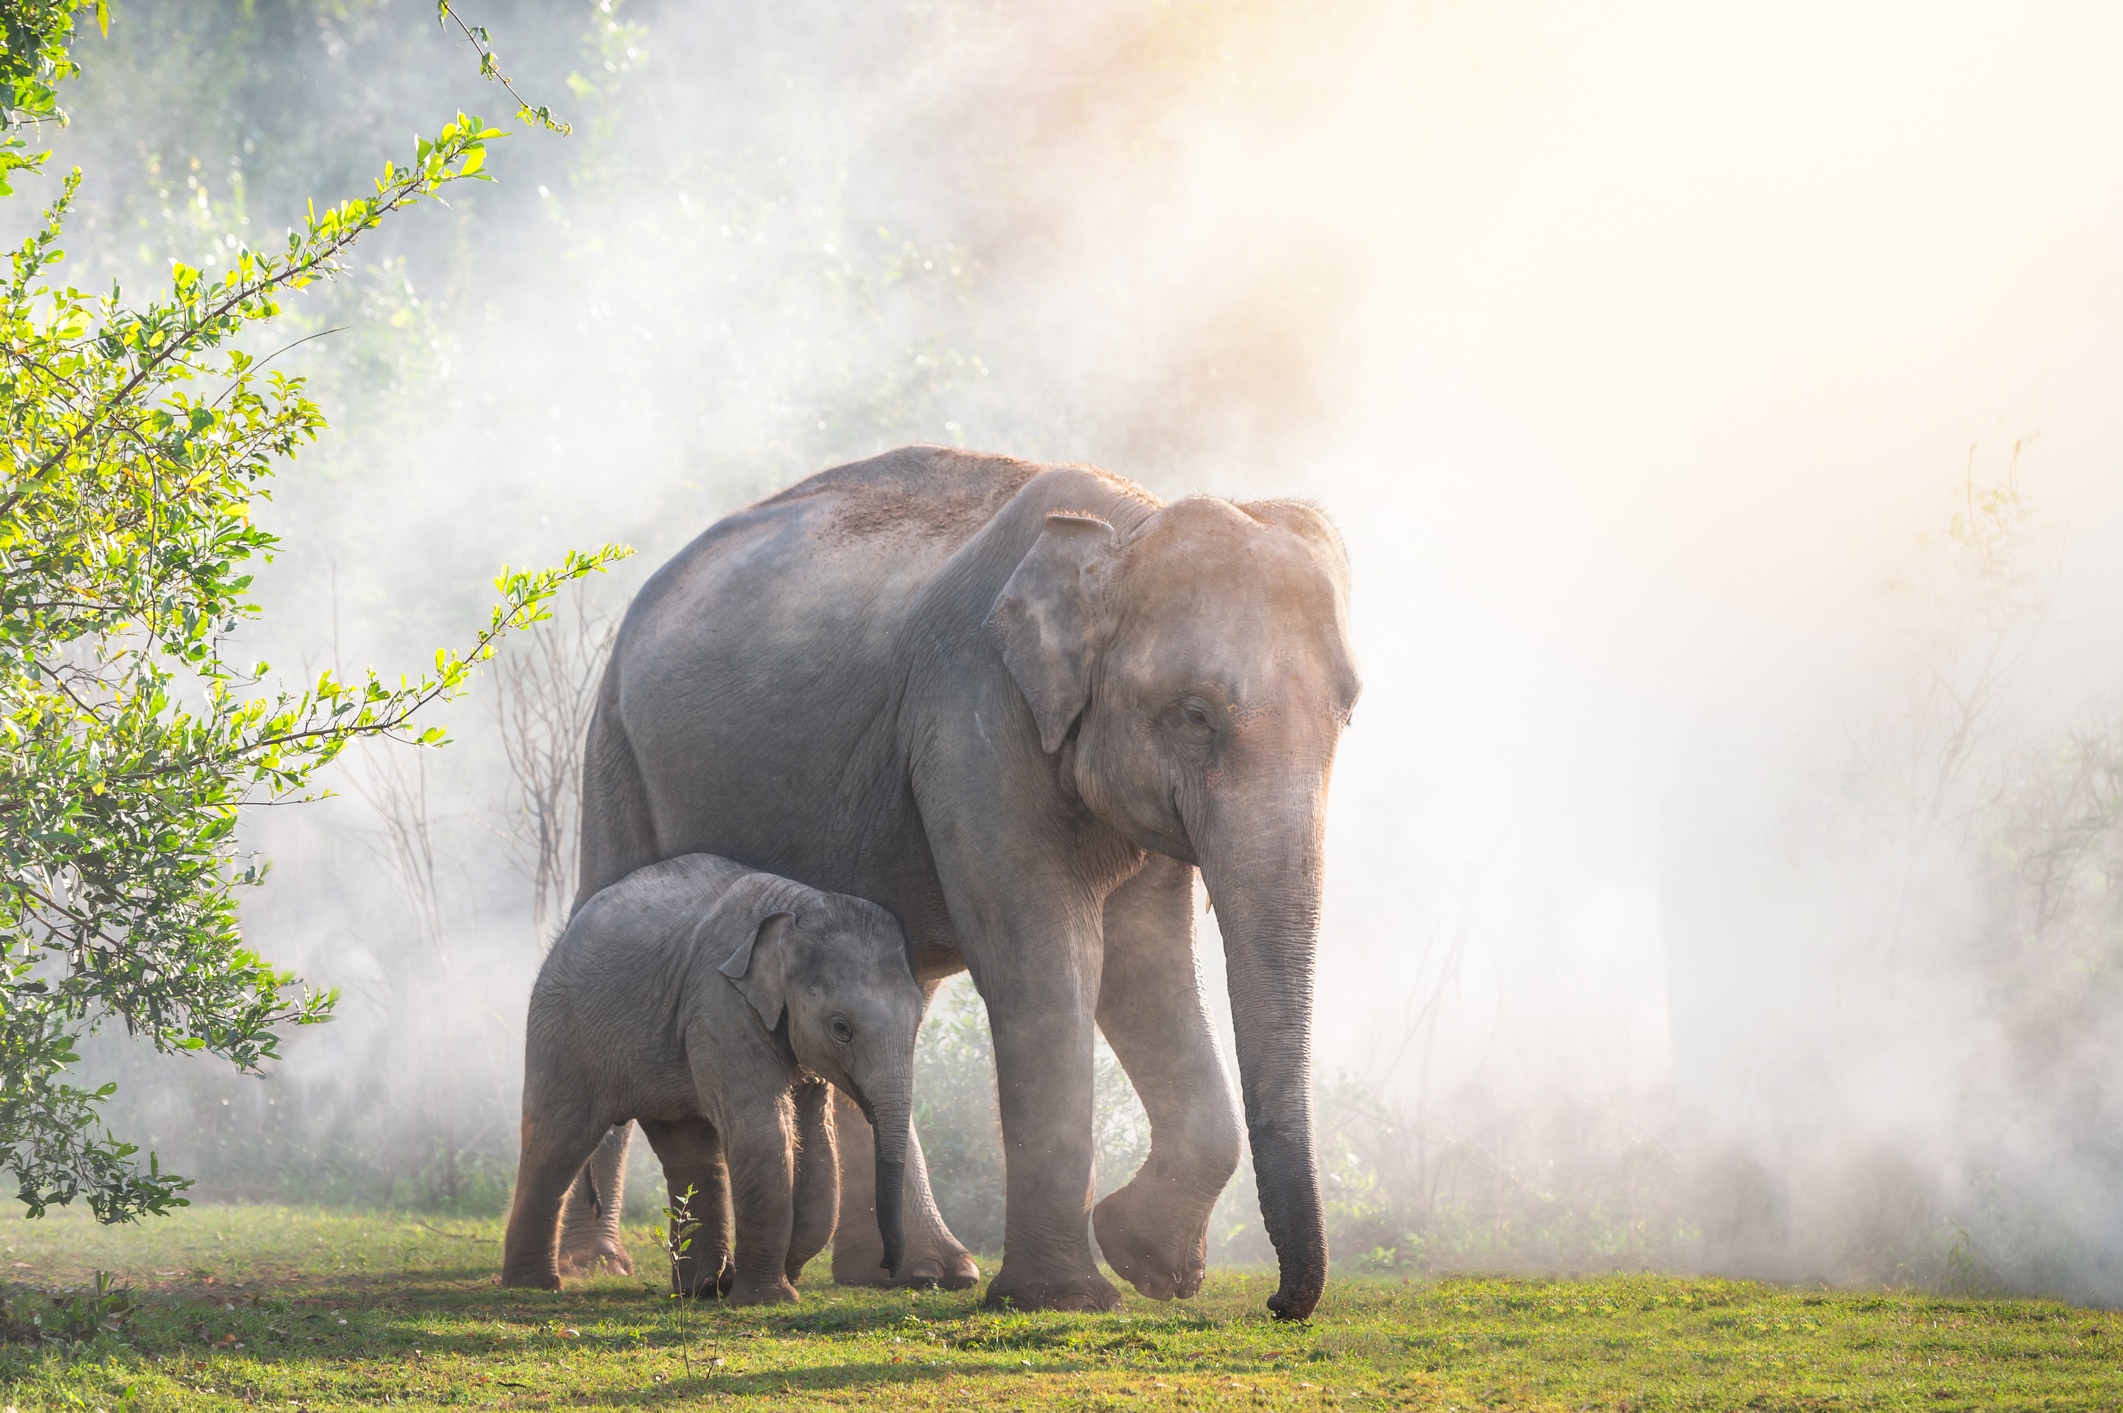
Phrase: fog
(1645,357)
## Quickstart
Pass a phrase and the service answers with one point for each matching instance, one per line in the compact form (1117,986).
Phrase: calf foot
(703,1280)
(1151,1242)
(777,1291)
(541,1277)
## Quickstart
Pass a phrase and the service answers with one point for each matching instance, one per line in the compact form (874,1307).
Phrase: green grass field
(285,1308)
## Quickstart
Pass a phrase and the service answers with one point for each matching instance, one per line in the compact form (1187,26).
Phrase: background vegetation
(132,734)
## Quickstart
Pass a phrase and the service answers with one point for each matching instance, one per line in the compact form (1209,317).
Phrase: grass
(267,1307)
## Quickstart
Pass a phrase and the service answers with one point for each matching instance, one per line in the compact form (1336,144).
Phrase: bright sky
(1677,327)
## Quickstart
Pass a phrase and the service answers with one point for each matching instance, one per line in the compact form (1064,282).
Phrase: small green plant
(73,1317)
(679,1227)
(1965,1272)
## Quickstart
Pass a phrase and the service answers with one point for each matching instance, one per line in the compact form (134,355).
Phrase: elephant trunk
(1263,870)
(892,1122)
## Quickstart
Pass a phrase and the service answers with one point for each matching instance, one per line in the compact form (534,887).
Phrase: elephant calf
(665,1001)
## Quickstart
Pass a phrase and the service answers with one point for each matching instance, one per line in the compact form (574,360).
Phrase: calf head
(836,968)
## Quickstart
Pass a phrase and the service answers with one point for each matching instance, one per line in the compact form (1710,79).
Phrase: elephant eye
(842,1031)
(1197,714)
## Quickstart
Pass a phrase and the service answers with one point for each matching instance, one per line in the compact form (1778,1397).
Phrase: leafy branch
(490,69)
(33,62)
(130,737)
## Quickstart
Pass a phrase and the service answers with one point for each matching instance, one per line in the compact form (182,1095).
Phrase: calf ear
(758,967)
(1047,619)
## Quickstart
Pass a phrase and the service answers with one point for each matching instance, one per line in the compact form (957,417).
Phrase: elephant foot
(934,1261)
(1160,1252)
(532,1278)
(1086,1292)
(702,1286)
(603,1254)
(940,1272)
(775,1292)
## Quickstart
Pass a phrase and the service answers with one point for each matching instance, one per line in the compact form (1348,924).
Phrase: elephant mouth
(1186,853)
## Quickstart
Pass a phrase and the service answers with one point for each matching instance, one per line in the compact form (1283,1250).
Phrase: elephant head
(839,972)
(1192,679)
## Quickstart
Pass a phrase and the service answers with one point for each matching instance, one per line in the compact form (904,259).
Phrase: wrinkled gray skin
(1019,705)
(715,1004)
(591,1240)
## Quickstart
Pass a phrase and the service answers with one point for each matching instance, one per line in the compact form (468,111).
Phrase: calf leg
(691,1153)
(760,1141)
(559,1132)
(817,1176)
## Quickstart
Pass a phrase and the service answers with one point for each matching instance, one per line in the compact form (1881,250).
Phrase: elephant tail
(616,834)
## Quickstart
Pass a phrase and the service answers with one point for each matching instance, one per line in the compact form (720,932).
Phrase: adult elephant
(1019,705)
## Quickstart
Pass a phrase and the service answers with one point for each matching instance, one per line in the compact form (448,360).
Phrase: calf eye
(842,1031)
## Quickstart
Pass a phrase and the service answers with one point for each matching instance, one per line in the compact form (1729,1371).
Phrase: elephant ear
(1047,619)
(1310,524)
(758,968)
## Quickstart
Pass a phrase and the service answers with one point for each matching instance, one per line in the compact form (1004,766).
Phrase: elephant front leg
(759,1141)
(934,1256)
(1041,1006)
(1025,892)
(692,1159)
(1154,1231)
(589,1234)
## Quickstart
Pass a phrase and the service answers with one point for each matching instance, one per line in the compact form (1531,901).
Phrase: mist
(1655,363)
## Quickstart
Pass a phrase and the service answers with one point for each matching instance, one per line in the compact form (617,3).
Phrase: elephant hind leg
(556,1140)
(590,1236)
(934,1256)
(817,1177)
